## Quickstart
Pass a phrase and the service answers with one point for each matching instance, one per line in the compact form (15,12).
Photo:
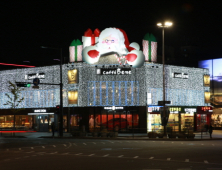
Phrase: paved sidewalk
(217,135)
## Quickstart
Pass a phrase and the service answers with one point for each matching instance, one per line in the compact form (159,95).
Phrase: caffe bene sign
(180,75)
(113,71)
(35,75)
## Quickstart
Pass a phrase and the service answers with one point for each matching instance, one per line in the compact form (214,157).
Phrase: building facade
(122,98)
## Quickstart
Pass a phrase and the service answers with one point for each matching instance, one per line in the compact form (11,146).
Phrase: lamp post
(164,25)
(61,97)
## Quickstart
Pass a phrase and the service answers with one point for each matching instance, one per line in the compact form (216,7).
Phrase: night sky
(28,25)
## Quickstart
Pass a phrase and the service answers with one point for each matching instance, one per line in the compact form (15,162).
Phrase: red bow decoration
(89,33)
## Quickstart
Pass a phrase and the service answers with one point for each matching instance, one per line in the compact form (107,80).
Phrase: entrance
(43,121)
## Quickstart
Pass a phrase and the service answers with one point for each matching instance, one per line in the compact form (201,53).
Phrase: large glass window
(6,121)
(23,122)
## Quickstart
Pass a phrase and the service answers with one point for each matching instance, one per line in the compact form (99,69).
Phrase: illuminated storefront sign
(154,109)
(40,110)
(205,109)
(181,75)
(36,75)
(73,76)
(113,108)
(190,110)
(175,109)
(113,71)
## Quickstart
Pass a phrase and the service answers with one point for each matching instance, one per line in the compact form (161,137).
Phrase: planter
(183,136)
(160,135)
(75,133)
(190,136)
(104,134)
(172,135)
(152,134)
(95,134)
(113,134)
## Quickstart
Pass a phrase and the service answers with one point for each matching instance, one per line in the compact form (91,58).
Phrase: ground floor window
(114,120)
(6,121)
(176,122)
(216,120)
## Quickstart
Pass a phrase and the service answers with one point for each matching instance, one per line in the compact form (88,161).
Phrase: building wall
(108,90)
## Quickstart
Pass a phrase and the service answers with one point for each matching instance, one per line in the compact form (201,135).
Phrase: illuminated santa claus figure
(114,41)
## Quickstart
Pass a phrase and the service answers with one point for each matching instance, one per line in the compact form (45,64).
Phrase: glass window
(6,121)
(23,122)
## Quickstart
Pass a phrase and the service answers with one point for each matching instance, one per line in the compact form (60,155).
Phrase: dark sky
(27,25)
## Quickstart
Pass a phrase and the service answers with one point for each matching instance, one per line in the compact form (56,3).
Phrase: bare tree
(14,99)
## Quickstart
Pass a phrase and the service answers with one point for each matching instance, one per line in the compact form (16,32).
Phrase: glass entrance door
(43,123)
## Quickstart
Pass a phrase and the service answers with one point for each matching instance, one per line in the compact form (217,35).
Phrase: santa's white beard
(104,48)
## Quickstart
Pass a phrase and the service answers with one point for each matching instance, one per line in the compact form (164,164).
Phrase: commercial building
(119,97)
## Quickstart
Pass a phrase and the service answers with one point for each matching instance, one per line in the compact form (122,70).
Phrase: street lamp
(164,25)
(61,97)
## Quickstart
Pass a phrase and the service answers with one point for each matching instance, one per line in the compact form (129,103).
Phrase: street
(55,153)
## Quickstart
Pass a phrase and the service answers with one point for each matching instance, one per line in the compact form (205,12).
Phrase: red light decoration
(6,64)
(13,131)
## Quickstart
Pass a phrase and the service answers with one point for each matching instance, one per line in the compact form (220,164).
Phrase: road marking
(213,144)
(186,160)
(172,142)
(84,143)
(91,154)
(206,162)
(151,157)
(202,144)
(43,146)
(111,142)
(32,148)
(163,142)
(102,142)
(54,146)
(120,156)
(7,149)
(136,157)
(106,155)
(94,143)
(20,148)
(168,159)
(64,144)
(181,142)
(78,153)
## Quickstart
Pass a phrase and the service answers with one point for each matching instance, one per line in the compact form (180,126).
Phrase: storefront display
(181,118)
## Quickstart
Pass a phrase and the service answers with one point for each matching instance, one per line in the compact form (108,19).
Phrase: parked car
(116,123)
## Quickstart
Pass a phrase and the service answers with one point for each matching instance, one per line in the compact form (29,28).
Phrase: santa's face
(110,43)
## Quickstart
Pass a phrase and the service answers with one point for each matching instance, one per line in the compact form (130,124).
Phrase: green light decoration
(150,38)
(28,85)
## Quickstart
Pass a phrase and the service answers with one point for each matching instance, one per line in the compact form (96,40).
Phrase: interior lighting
(6,64)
